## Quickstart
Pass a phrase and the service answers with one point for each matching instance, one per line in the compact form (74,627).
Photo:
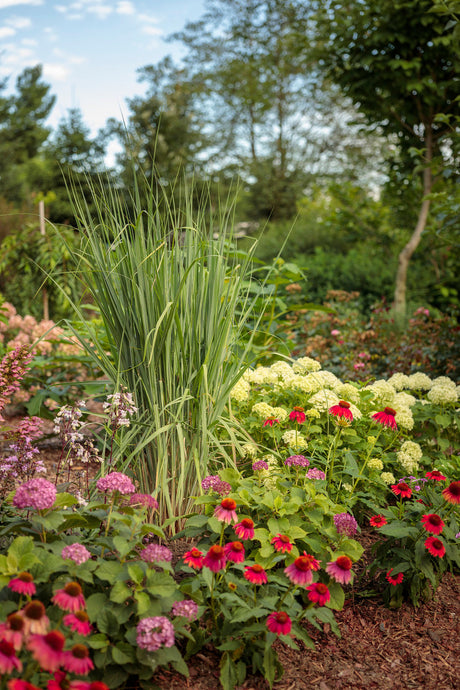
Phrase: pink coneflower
(282,543)
(225,511)
(83,685)
(255,574)
(271,421)
(300,572)
(13,630)
(340,569)
(78,622)
(59,682)
(47,649)
(245,529)
(8,659)
(23,583)
(452,492)
(433,523)
(436,475)
(435,546)
(35,619)
(402,489)
(396,580)
(215,559)
(77,660)
(70,598)
(194,558)
(17,684)
(319,593)
(342,409)
(297,415)
(279,623)
(386,417)
(234,551)
(378,521)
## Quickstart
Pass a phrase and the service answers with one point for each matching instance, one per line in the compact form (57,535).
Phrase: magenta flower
(215,483)
(340,569)
(300,571)
(13,630)
(215,559)
(342,409)
(234,551)
(315,473)
(245,529)
(297,415)
(70,598)
(76,552)
(78,622)
(47,649)
(435,547)
(279,623)
(433,523)
(297,461)
(396,580)
(225,511)
(319,593)
(436,476)
(35,619)
(8,658)
(155,632)
(259,465)
(77,660)
(402,489)
(282,543)
(37,493)
(271,421)
(143,500)
(186,608)
(345,524)
(194,558)
(23,583)
(115,481)
(255,574)
(386,417)
(154,553)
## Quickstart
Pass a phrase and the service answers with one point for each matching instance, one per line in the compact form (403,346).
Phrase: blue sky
(90,49)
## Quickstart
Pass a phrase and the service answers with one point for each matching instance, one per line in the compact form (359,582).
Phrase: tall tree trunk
(399,304)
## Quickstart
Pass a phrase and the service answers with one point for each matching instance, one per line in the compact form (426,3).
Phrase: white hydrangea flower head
(375,464)
(280,413)
(323,400)
(356,412)
(263,410)
(347,487)
(404,418)
(304,365)
(384,393)
(261,376)
(399,381)
(327,379)
(442,394)
(419,382)
(240,391)
(306,384)
(409,455)
(444,381)
(282,369)
(348,392)
(404,399)
(294,440)
(312,413)
(250,449)
(388,478)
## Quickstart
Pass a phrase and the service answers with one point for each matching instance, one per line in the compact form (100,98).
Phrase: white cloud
(12,3)
(125,7)
(6,32)
(55,72)
(29,42)
(152,31)
(101,11)
(18,22)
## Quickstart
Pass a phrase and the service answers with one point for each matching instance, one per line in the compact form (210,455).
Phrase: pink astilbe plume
(13,368)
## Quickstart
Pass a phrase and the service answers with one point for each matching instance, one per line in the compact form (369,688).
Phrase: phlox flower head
(245,529)
(319,593)
(396,580)
(402,489)
(194,558)
(259,465)
(115,481)
(282,543)
(342,409)
(297,415)
(340,569)
(255,574)
(186,608)
(433,523)
(300,572)
(315,473)
(155,553)
(279,623)
(225,511)
(70,598)
(47,649)
(154,632)
(23,583)
(436,476)
(215,483)
(8,659)
(378,521)
(78,622)
(35,618)
(37,493)
(345,524)
(435,547)
(386,417)
(215,559)
(297,461)
(77,660)
(143,500)
(76,552)
(452,492)
(234,551)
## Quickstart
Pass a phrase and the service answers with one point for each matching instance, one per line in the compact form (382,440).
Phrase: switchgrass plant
(175,301)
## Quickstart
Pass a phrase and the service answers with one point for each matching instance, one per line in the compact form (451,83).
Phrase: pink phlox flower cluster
(154,553)
(120,407)
(315,473)
(143,500)
(345,524)
(259,465)
(215,483)
(13,367)
(186,608)
(78,553)
(37,493)
(154,632)
(115,481)
(297,461)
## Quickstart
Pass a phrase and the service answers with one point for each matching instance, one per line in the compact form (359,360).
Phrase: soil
(379,648)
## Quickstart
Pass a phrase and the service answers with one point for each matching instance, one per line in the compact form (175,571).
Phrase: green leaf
(107,622)
(337,599)
(143,602)
(95,603)
(228,673)
(109,570)
(123,546)
(123,653)
(136,573)
(65,500)
(398,529)
(98,641)
(120,592)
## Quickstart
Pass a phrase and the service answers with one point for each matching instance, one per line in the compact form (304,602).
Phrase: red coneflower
(340,569)
(342,409)
(271,421)
(17,684)
(378,521)
(319,593)
(23,583)
(194,558)
(8,659)
(255,574)
(35,619)
(225,511)
(279,623)
(70,598)
(82,685)
(282,543)
(386,417)
(77,660)
(436,475)
(47,649)
(452,492)
(433,523)
(396,580)
(215,559)
(245,529)
(297,415)
(234,551)
(78,622)
(13,630)
(435,547)
(59,682)
(402,489)
(300,572)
